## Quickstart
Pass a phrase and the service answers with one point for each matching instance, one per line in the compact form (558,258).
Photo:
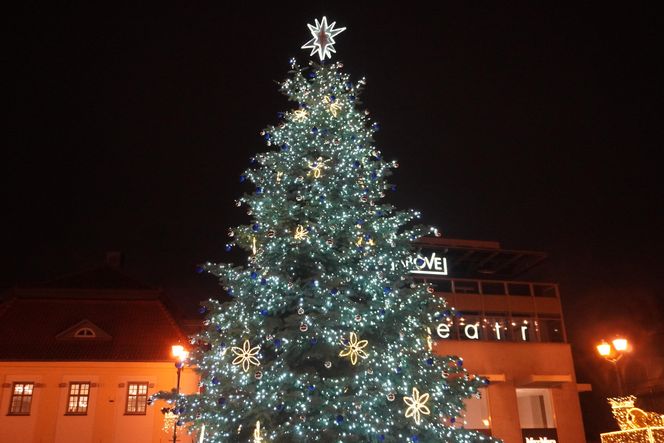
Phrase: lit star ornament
(323,41)
(246,355)
(416,405)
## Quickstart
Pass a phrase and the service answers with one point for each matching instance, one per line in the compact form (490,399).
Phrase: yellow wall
(105,421)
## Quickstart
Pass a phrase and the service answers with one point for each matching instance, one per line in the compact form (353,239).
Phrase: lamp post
(180,356)
(613,352)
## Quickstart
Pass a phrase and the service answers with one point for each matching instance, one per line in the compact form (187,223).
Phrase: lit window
(85,333)
(476,414)
(79,394)
(137,398)
(21,398)
(535,411)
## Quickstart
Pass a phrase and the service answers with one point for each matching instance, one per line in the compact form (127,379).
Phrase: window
(85,333)
(535,411)
(466,287)
(493,288)
(518,289)
(476,413)
(79,394)
(21,398)
(551,330)
(137,398)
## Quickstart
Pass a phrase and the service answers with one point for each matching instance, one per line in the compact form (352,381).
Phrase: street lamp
(180,356)
(613,352)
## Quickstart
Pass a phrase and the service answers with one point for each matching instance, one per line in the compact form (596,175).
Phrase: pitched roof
(102,277)
(39,323)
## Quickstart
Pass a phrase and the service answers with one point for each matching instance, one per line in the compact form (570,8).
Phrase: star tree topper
(323,41)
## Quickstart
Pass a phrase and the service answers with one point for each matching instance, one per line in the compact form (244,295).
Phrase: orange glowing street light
(613,352)
(180,355)
(179,352)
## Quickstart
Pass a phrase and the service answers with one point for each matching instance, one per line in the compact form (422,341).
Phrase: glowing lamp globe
(178,351)
(604,349)
(620,344)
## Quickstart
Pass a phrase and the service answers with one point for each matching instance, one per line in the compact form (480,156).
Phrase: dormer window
(85,333)
(84,330)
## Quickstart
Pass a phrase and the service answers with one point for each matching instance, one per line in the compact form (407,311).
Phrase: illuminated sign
(540,435)
(428,264)
(471,331)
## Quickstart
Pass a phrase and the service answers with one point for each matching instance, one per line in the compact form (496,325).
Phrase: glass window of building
(137,398)
(476,416)
(470,326)
(441,285)
(79,394)
(518,289)
(495,326)
(21,401)
(551,330)
(523,328)
(535,410)
(466,287)
(544,290)
(493,288)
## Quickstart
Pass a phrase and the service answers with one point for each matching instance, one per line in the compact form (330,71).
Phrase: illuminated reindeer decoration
(636,425)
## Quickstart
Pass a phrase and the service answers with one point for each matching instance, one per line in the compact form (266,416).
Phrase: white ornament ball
(304,327)
(258,375)
(328,364)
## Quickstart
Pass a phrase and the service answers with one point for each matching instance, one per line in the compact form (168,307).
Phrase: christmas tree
(326,337)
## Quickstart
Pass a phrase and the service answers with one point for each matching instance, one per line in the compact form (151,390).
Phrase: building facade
(510,330)
(79,358)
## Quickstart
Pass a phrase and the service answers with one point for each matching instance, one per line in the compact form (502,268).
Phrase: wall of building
(513,366)
(105,421)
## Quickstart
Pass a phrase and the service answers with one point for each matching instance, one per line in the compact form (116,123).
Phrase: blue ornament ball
(339,419)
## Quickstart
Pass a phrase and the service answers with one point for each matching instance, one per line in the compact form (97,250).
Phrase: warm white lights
(246,355)
(416,405)
(354,349)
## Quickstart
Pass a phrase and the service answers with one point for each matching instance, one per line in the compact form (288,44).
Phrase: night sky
(537,126)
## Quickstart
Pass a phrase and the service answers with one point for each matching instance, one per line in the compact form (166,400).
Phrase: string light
(310,280)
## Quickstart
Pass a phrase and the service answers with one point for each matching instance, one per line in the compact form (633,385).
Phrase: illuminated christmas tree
(326,338)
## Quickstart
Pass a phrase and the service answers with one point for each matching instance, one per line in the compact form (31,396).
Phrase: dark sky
(533,125)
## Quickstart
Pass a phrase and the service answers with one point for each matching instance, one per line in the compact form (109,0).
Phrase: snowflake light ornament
(416,405)
(354,349)
(246,355)
(323,41)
